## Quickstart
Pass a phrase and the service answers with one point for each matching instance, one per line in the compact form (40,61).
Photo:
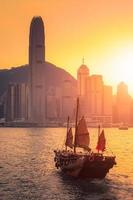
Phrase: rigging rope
(110,149)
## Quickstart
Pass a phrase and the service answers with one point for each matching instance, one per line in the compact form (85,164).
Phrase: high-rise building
(17,102)
(107,104)
(68,100)
(10,103)
(82,82)
(95,93)
(3,104)
(53,104)
(37,71)
(95,97)
(123,103)
(82,76)
(36,42)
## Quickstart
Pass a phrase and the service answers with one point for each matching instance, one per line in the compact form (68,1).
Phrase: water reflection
(27,169)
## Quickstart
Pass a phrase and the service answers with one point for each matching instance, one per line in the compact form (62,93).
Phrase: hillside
(54,76)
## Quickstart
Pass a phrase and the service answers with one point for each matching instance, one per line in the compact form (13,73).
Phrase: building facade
(37,84)
(123,104)
(17,102)
(95,97)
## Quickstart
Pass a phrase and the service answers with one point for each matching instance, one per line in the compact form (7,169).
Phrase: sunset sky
(99,30)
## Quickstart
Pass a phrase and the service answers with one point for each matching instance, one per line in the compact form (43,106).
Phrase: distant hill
(54,76)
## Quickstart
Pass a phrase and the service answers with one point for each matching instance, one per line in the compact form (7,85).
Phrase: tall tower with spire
(37,70)
(82,78)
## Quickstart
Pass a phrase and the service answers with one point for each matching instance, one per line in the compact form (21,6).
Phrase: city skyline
(66,99)
(102,34)
(37,101)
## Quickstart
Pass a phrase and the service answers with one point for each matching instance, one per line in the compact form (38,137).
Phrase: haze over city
(101,31)
(41,94)
(66,99)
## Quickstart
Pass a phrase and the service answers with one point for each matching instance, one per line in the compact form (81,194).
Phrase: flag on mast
(101,142)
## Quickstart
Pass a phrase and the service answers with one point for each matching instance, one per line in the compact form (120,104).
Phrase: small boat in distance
(123,126)
(86,164)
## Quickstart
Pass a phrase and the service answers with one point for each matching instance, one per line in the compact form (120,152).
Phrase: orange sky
(99,30)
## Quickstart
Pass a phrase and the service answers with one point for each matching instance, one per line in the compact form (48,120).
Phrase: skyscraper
(82,77)
(82,80)
(95,97)
(36,42)
(68,100)
(95,94)
(123,103)
(37,70)
(17,102)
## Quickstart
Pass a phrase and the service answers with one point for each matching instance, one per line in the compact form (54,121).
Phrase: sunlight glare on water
(27,168)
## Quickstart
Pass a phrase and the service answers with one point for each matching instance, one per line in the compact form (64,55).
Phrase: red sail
(69,139)
(101,142)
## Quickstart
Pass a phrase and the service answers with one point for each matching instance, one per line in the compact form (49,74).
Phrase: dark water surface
(27,169)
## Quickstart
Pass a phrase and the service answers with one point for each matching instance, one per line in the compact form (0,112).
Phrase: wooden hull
(96,169)
(87,166)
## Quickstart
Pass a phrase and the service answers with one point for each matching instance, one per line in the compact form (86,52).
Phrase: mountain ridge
(54,76)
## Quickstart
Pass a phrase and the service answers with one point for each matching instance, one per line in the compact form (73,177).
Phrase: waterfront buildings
(43,102)
(95,97)
(53,108)
(69,94)
(123,104)
(17,102)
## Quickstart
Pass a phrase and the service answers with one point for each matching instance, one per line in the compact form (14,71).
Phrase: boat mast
(76,122)
(67,128)
(98,134)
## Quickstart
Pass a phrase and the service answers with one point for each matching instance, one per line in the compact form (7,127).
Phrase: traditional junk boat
(85,164)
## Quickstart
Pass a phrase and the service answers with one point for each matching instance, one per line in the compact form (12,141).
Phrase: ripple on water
(27,169)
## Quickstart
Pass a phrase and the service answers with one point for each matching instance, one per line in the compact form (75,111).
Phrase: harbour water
(27,168)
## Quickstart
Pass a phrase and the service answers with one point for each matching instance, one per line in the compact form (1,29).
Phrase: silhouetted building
(107,104)
(51,91)
(53,104)
(95,97)
(123,103)
(82,77)
(3,106)
(68,100)
(10,116)
(82,90)
(95,88)
(37,71)
(131,112)
(1,111)
(17,102)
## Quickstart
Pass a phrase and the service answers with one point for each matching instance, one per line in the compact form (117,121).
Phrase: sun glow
(122,66)
(125,65)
